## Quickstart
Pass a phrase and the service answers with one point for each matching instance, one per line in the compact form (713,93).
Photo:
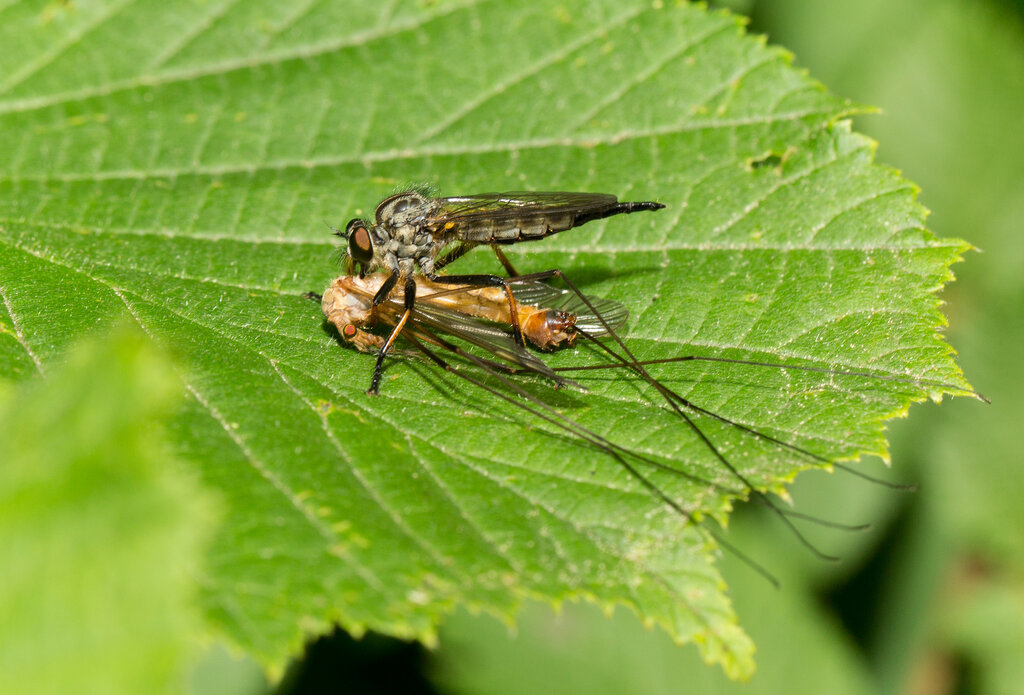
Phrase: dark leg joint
(385,290)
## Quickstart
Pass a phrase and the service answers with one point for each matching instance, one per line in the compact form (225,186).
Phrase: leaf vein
(19,334)
(47,58)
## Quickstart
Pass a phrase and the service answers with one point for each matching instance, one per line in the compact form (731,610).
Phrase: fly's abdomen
(548,328)
(509,231)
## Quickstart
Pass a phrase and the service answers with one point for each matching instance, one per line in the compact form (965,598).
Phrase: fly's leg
(531,404)
(505,262)
(463,247)
(456,252)
(681,405)
(316,296)
(385,289)
(486,281)
(410,302)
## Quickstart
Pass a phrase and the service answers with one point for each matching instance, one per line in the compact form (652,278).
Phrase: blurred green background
(931,600)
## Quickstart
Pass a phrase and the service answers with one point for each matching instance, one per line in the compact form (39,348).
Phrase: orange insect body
(348,304)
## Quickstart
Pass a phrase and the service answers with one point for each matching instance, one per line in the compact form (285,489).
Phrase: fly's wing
(543,295)
(496,341)
(498,206)
(504,218)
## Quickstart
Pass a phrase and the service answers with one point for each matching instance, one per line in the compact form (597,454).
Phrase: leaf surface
(178,167)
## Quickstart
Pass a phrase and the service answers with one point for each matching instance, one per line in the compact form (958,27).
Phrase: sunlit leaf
(179,167)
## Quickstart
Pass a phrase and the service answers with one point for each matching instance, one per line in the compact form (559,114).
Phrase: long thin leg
(457,252)
(495,368)
(678,404)
(385,289)
(620,454)
(505,262)
(486,281)
(410,302)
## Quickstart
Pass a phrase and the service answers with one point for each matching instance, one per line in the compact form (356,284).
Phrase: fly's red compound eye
(360,246)
(348,332)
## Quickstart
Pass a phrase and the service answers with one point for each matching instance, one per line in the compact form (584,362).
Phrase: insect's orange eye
(360,246)
(349,331)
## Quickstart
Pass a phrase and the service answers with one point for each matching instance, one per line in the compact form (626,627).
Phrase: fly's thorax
(406,208)
(405,237)
(408,244)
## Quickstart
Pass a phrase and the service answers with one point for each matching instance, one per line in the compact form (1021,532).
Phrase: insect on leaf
(177,166)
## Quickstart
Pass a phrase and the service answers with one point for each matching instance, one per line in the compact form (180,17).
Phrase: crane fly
(548,317)
(553,318)
(411,229)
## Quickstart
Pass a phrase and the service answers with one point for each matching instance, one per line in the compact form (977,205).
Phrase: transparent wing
(488,336)
(520,204)
(541,294)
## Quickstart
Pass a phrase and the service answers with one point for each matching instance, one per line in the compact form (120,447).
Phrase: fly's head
(362,247)
(347,304)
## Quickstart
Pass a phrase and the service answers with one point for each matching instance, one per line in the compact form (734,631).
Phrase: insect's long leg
(410,303)
(385,289)
(486,281)
(549,414)
(636,367)
(423,334)
(505,262)
(621,363)
(457,252)
(805,368)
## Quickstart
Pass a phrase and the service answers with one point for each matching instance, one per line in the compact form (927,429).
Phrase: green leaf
(179,166)
(100,533)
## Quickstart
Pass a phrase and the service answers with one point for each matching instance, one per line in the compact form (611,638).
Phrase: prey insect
(548,317)
(411,229)
(551,318)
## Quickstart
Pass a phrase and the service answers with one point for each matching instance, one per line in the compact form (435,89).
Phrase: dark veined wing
(541,294)
(515,204)
(507,218)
